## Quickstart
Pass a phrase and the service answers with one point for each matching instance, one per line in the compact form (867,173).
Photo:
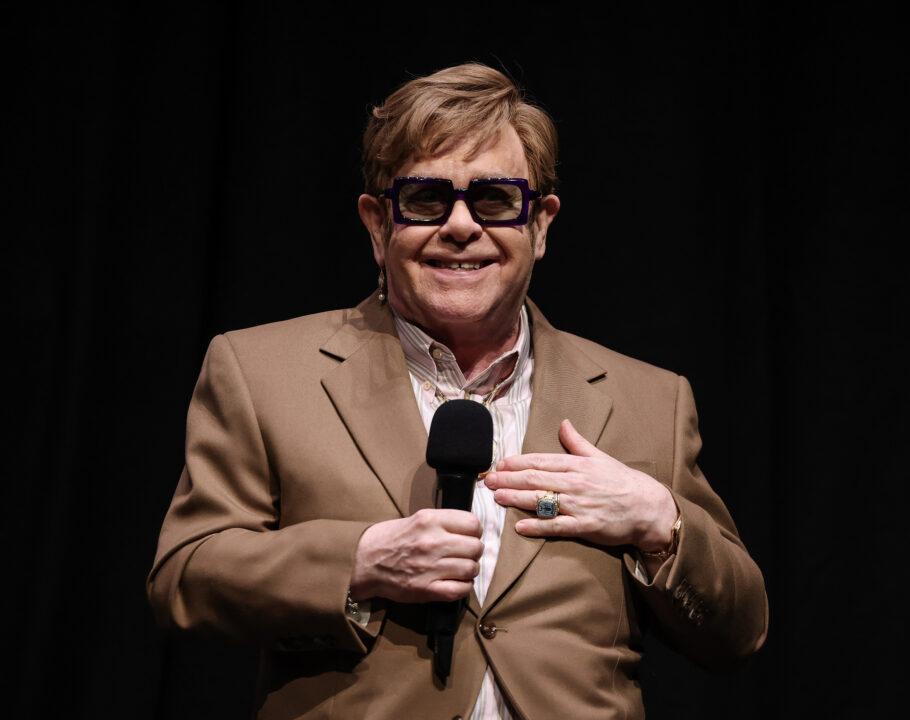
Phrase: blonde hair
(472,102)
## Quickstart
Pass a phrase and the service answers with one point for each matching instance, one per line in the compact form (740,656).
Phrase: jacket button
(457,717)
(488,631)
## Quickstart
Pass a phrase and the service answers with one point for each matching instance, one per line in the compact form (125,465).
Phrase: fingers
(601,500)
(527,499)
(544,462)
(576,445)
(443,534)
(459,522)
(448,590)
(574,442)
(455,570)
(563,525)
(560,526)
(431,555)
(526,481)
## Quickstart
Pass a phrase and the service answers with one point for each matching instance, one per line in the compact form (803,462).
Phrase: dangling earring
(381,297)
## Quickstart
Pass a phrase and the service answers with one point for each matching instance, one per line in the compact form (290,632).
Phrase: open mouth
(446,265)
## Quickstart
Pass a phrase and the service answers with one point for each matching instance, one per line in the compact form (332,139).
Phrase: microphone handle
(454,491)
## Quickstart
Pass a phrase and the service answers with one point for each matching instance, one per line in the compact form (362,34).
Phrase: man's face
(461,275)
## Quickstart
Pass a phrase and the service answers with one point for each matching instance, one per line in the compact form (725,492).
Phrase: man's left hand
(601,500)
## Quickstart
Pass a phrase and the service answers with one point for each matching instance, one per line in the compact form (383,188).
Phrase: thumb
(574,442)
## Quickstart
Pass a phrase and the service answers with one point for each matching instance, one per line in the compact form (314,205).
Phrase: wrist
(665,549)
(361,584)
(661,535)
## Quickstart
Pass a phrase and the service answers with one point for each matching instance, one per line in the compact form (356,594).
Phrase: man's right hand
(431,555)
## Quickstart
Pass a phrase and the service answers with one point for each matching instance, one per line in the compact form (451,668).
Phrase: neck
(474,348)
(473,360)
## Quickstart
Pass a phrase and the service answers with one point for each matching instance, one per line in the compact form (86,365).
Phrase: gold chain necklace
(485,401)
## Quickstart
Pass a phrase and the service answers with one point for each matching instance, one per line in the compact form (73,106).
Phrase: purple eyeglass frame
(527,195)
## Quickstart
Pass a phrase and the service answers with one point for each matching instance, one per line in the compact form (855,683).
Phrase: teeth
(460,266)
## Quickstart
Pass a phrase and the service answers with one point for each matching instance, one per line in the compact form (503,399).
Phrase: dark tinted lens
(424,200)
(496,201)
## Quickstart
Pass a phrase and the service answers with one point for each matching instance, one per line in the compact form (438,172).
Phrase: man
(304,519)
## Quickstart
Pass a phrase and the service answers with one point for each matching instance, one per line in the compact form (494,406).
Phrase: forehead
(501,156)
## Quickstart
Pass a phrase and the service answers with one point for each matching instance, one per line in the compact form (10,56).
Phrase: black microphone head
(461,438)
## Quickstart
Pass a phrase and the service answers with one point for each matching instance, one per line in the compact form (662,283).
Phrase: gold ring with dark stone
(548,506)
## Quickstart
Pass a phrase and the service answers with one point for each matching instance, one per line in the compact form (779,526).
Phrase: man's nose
(460,227)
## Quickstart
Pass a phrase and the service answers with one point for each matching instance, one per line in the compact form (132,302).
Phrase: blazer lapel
(371,391)
(564,386)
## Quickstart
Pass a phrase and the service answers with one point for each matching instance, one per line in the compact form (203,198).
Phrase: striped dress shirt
(505,388)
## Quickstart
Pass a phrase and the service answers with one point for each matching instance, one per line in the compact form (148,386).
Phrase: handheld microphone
(459,447)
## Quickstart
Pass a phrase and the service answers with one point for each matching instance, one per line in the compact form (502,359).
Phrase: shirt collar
(431,360)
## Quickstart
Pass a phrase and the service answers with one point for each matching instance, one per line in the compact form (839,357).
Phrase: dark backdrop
(733,188)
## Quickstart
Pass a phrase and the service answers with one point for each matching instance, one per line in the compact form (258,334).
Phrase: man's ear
(546,210)
(372,215)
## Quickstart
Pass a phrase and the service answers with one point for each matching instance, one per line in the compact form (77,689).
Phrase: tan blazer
(301,434)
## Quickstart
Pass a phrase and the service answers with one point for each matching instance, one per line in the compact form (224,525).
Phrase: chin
(457,313)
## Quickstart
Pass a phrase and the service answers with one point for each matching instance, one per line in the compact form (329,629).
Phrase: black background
(733,185)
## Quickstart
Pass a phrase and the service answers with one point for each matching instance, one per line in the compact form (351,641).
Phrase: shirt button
(427,384)
(437,353)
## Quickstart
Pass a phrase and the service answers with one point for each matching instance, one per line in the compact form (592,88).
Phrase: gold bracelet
(674,543)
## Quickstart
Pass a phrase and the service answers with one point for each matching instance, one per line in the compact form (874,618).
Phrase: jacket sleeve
(709,598)
(224,566)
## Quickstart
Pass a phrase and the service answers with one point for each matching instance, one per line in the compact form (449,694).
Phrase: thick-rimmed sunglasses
(429,201)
